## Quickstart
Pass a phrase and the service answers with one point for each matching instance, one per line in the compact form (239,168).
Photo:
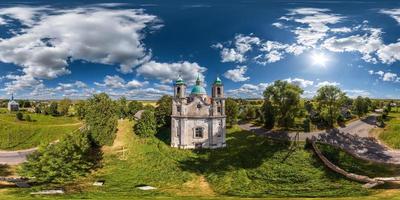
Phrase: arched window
(199,132)
(218,90)
(178,91)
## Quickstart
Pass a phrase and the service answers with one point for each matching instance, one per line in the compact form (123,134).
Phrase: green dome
(197,89)
(218,81)
(179,81)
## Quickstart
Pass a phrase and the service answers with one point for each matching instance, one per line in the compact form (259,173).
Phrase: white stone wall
(197,113)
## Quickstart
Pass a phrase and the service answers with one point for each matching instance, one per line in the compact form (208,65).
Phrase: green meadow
(24,134)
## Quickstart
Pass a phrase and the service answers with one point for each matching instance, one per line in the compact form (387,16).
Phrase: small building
(198,121)
(13,105)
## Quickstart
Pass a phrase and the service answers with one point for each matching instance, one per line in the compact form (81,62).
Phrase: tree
(269,115)
(53,109)
(19,116)
(60,162)
(146,126)
(133,108)
(231,111)
(101,119)
(63,106)
(360,106)
(80,108)
(164,111)
(328,98)
(122,108)
(285,98)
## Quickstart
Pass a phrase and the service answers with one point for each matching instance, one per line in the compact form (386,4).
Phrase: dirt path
(355,138)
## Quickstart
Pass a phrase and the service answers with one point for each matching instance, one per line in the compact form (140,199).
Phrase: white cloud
(388,76)
(325,83)
(237,75)
(341,30)
(365,44)
(356,92)
(116,82)
(241,45)
(394,13)
(317,21)
(248,91)
(300,82)
(168,72)
(389,53)
(56,37)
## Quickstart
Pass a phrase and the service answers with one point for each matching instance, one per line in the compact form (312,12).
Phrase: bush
(60,162)
(28,118)
(146,126)
(19,116)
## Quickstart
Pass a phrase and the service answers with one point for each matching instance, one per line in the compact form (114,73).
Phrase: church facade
(197,120)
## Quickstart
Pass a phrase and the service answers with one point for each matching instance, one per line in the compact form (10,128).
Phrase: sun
(319,59)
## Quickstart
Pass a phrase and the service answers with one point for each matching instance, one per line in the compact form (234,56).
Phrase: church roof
(179,81)
(198,89)
(218,81)
(13,103)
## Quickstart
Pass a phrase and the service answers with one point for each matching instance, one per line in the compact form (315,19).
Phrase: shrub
(60,162)
(146,126)
(28,118)
(19,116)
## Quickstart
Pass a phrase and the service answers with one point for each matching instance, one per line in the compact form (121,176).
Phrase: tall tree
(164,111)
(269,114)
(80,108)
(231,111)
(122,108)
(328,98)
(101,119)
(146,126)
(360,106)
(134,107)
(285,97)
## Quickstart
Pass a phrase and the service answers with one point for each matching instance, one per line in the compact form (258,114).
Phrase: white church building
(13,105)
(197,120)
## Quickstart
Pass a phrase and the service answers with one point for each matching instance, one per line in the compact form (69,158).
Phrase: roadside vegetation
(390,135)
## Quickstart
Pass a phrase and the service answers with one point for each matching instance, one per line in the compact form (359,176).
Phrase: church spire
(198,82)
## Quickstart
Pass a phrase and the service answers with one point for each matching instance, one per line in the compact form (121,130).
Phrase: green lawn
(250,167)
(16,134)
(391,133)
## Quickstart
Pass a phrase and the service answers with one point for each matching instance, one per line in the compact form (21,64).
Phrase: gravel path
(354,138)
(15,157)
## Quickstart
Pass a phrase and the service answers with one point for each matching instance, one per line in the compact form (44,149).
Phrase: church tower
(180,88)
(218,97)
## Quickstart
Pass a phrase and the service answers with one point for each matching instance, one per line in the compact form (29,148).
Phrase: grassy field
(391,133)
(16,134)
(251,166)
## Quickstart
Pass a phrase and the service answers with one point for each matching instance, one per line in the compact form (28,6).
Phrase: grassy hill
(16,134)
(250,166)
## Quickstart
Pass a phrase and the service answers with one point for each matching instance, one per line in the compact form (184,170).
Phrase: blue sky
(136,49)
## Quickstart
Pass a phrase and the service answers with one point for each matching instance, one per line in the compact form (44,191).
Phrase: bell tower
(218,97)
(180,88)
(218,89)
